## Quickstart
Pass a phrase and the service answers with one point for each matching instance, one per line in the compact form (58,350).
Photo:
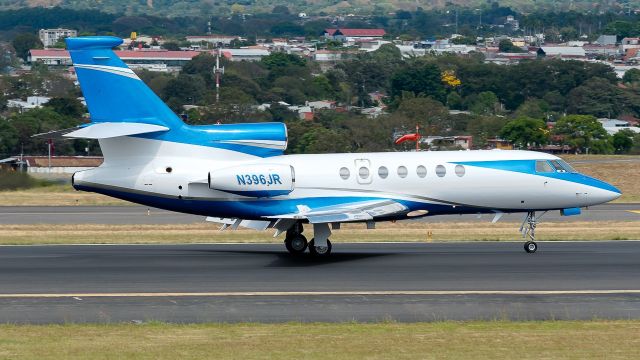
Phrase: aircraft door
(363,171)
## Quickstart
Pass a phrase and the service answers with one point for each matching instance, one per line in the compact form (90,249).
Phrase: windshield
(566,166)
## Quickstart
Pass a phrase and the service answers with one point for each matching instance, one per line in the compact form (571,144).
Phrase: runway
(361,282)
(143,215)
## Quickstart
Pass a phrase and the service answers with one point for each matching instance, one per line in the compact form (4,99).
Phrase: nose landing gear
(528,228)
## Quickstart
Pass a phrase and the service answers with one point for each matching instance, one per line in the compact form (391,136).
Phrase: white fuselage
(174,176)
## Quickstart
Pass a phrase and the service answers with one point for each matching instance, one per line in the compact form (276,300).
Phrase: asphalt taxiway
(361,282)
(143,215)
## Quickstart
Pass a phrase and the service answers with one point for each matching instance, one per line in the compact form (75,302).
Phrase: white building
(50,37)
(245,54)
(31,103)
(614,125)
(216,40)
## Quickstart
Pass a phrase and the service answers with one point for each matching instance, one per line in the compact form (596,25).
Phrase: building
(154,60)
(351,35)
(562,52)
(216,40)
(511,21)
(50,37)
(245,54)
(31,103)
(607,40)
(614,125)
(51,165)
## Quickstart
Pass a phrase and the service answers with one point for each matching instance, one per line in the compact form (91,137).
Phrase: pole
(418,137)
(217,75)
(49,151)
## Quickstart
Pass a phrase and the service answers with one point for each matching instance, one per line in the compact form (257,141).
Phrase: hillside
(200,7)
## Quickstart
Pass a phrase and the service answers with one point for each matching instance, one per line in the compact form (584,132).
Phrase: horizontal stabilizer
(107,130)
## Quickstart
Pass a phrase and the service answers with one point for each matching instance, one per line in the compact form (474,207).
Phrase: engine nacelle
(255,180)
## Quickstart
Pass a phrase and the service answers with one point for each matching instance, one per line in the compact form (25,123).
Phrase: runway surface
(144,215)
(362,282)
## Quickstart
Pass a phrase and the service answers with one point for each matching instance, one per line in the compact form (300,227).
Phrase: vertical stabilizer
(113,92)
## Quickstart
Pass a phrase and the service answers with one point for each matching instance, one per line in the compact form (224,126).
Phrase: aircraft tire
(320,251)
(296,244)
(530,247)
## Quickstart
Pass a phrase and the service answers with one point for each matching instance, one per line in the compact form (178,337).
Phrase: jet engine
(255,180)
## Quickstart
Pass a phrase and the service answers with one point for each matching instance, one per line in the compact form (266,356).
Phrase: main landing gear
(296,243)
(528,228)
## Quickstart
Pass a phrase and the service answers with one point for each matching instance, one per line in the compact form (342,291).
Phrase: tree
(506,46)
(597,97)
(237,8)
(631,76)
(623,141)
(66,106)
(419,79)
(280,9)
(525,131)
(24,42)
(533,108)
(171,46)
(485,102)
(585,133)
(8,138)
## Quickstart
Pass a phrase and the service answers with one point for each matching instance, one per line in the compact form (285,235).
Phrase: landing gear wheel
(530,247)
(320,251)
(296,244)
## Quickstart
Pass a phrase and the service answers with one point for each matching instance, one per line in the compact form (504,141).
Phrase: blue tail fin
(113,92)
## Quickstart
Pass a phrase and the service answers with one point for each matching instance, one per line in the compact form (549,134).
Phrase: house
(499,144)
(350,35)
(607,40)
(31,103)
(321,104)
(50,37)
(154,60)
(562,52)
(53,164)
(614,125)
(216,40)
(245,54)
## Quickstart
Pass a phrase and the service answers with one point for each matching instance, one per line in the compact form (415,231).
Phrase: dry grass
(440,340)
(623,175)
(55,195)
(387,232)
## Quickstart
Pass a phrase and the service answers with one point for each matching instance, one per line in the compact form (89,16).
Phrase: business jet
(237,174)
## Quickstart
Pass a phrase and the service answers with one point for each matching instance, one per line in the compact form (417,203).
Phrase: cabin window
(460,170)
(363,172)
(542,166)
(421,171)
(383,172)
(441,171)
(344,173)
(402,171)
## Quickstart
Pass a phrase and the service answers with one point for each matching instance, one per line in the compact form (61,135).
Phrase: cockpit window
(566,166)
(543,166)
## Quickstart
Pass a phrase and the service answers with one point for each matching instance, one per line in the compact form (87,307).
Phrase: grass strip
(387,340)
(387,232)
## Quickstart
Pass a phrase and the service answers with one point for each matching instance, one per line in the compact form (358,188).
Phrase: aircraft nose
(603,192)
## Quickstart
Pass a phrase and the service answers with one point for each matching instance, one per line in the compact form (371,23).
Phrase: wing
(356,211)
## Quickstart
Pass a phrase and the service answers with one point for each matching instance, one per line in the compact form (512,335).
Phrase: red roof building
(352,34)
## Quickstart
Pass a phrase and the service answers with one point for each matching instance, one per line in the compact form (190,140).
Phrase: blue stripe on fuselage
(529,167)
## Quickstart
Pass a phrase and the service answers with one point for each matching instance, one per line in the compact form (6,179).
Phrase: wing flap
(357,211)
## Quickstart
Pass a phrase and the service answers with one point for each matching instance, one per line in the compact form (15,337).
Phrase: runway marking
(325,293)
(634,211)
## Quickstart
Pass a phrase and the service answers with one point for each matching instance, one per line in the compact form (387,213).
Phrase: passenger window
(460,170)
(363,172)
(421,171)
(542,166)
(441,171)
(344,173)
(383,172)
(402,171)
